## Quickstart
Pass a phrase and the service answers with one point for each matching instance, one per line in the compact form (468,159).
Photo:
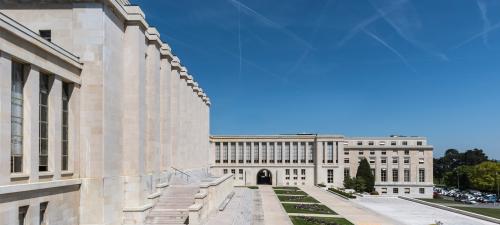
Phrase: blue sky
(357,68)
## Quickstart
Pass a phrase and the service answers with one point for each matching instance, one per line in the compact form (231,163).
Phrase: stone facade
(133,113)
(402,165)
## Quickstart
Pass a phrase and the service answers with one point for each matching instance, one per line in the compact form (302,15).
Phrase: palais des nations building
(100,123)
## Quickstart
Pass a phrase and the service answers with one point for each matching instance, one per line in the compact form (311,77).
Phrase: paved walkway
(239,211)
(353,212)
(274,213)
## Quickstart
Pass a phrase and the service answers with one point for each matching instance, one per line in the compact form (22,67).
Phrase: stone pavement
(239,211)
(353,212)
(274,213)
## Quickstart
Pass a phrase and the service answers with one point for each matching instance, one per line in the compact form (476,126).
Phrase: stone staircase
(172,206)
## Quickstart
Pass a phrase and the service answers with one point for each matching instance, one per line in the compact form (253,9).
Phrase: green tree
(365,172)
(349,182)
(485,176)
(360,185)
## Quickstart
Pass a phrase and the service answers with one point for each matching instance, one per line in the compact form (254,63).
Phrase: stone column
(74,130)
(134,120)
(5,113)
(165,135)
(31,122)
(55,126)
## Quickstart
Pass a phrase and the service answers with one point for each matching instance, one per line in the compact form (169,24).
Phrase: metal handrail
(180,171)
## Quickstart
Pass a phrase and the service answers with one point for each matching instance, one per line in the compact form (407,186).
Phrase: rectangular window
(233,152)
(249,152)
(240,171)
(225,152)
(43,150)
(21,215)
(233,171)
(329,152)
(311,152)
(43,209)
(407,152)
(405,143)
(347,172)
(384,153)
(16,158)
(271,152)
(264,152)
(372,160)
(303,172)
(295,172)
(383,175)
(241,152)
(287,152)
(224,171)
(421,175)
(346,160)
(346,152)
(421,190)
(217,152)
(384,190)
(393,143)
(407,160)
(371,143)
(419,143)
(65,127)
(280,152)
(395,190)
(407,190)
(395,175)
(372,152)
(256,152)
(295,152)
(407,175)
(383,160)
(287,171)
(394,160)
(421,161)
(360,143)
(361,153)
(46,34)
(329,176)
(302,152)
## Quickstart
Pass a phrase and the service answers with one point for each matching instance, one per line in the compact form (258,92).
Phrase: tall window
(225,152)
(329,178)
(271,152)
(21,215)
(287,152)
(407,175)
(65,125)
(240,152)
(329,152)
(233,152)
(249,152)
(347,172)
(302,152)
(310,152)
(295,152)
(421,175)
(43,157)
(280,152)
(383,175)
(264,152)
(43,209)
(217,152)
(256,152)
(16,140)
(395,175)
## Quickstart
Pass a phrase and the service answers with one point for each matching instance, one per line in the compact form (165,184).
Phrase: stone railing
(211,195)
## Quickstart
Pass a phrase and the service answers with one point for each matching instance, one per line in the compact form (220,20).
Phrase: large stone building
(401,165)
(96,114)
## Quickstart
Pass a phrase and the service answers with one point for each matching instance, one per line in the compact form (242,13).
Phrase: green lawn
(495,213)
(300,220)
(253,187)
(439,201)
(285,198)
(287,187)
(308,208)
(289,192)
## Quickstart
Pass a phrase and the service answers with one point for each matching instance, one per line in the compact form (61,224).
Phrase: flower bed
(290,192)
(287,198)
(308,208)
(345,194)
(286,187)
(308,220)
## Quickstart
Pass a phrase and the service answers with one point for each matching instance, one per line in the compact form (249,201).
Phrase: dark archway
(264,176)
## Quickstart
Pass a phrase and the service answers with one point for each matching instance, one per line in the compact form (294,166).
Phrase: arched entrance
(264,176)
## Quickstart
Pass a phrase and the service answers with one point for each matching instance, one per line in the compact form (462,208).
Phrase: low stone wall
(439,206)
(211,195)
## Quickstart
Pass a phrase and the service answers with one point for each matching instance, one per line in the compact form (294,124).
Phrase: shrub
(321,185)
(374,193)
(345,194)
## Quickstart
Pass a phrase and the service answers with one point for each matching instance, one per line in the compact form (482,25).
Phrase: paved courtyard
(410,213)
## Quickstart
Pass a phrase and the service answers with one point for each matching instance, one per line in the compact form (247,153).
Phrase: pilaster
(55,127)
(5,112)
(31,122)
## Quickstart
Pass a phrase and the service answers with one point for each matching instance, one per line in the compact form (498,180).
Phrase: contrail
(475,36)
(393,50)
(484,16)
(249,11)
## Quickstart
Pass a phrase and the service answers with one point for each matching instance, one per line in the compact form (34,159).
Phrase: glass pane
(43,130)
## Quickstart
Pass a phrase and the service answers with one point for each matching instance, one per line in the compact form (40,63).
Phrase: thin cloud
(478,35)
(393,50)
(239,42)
(483,9)
(264,20)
